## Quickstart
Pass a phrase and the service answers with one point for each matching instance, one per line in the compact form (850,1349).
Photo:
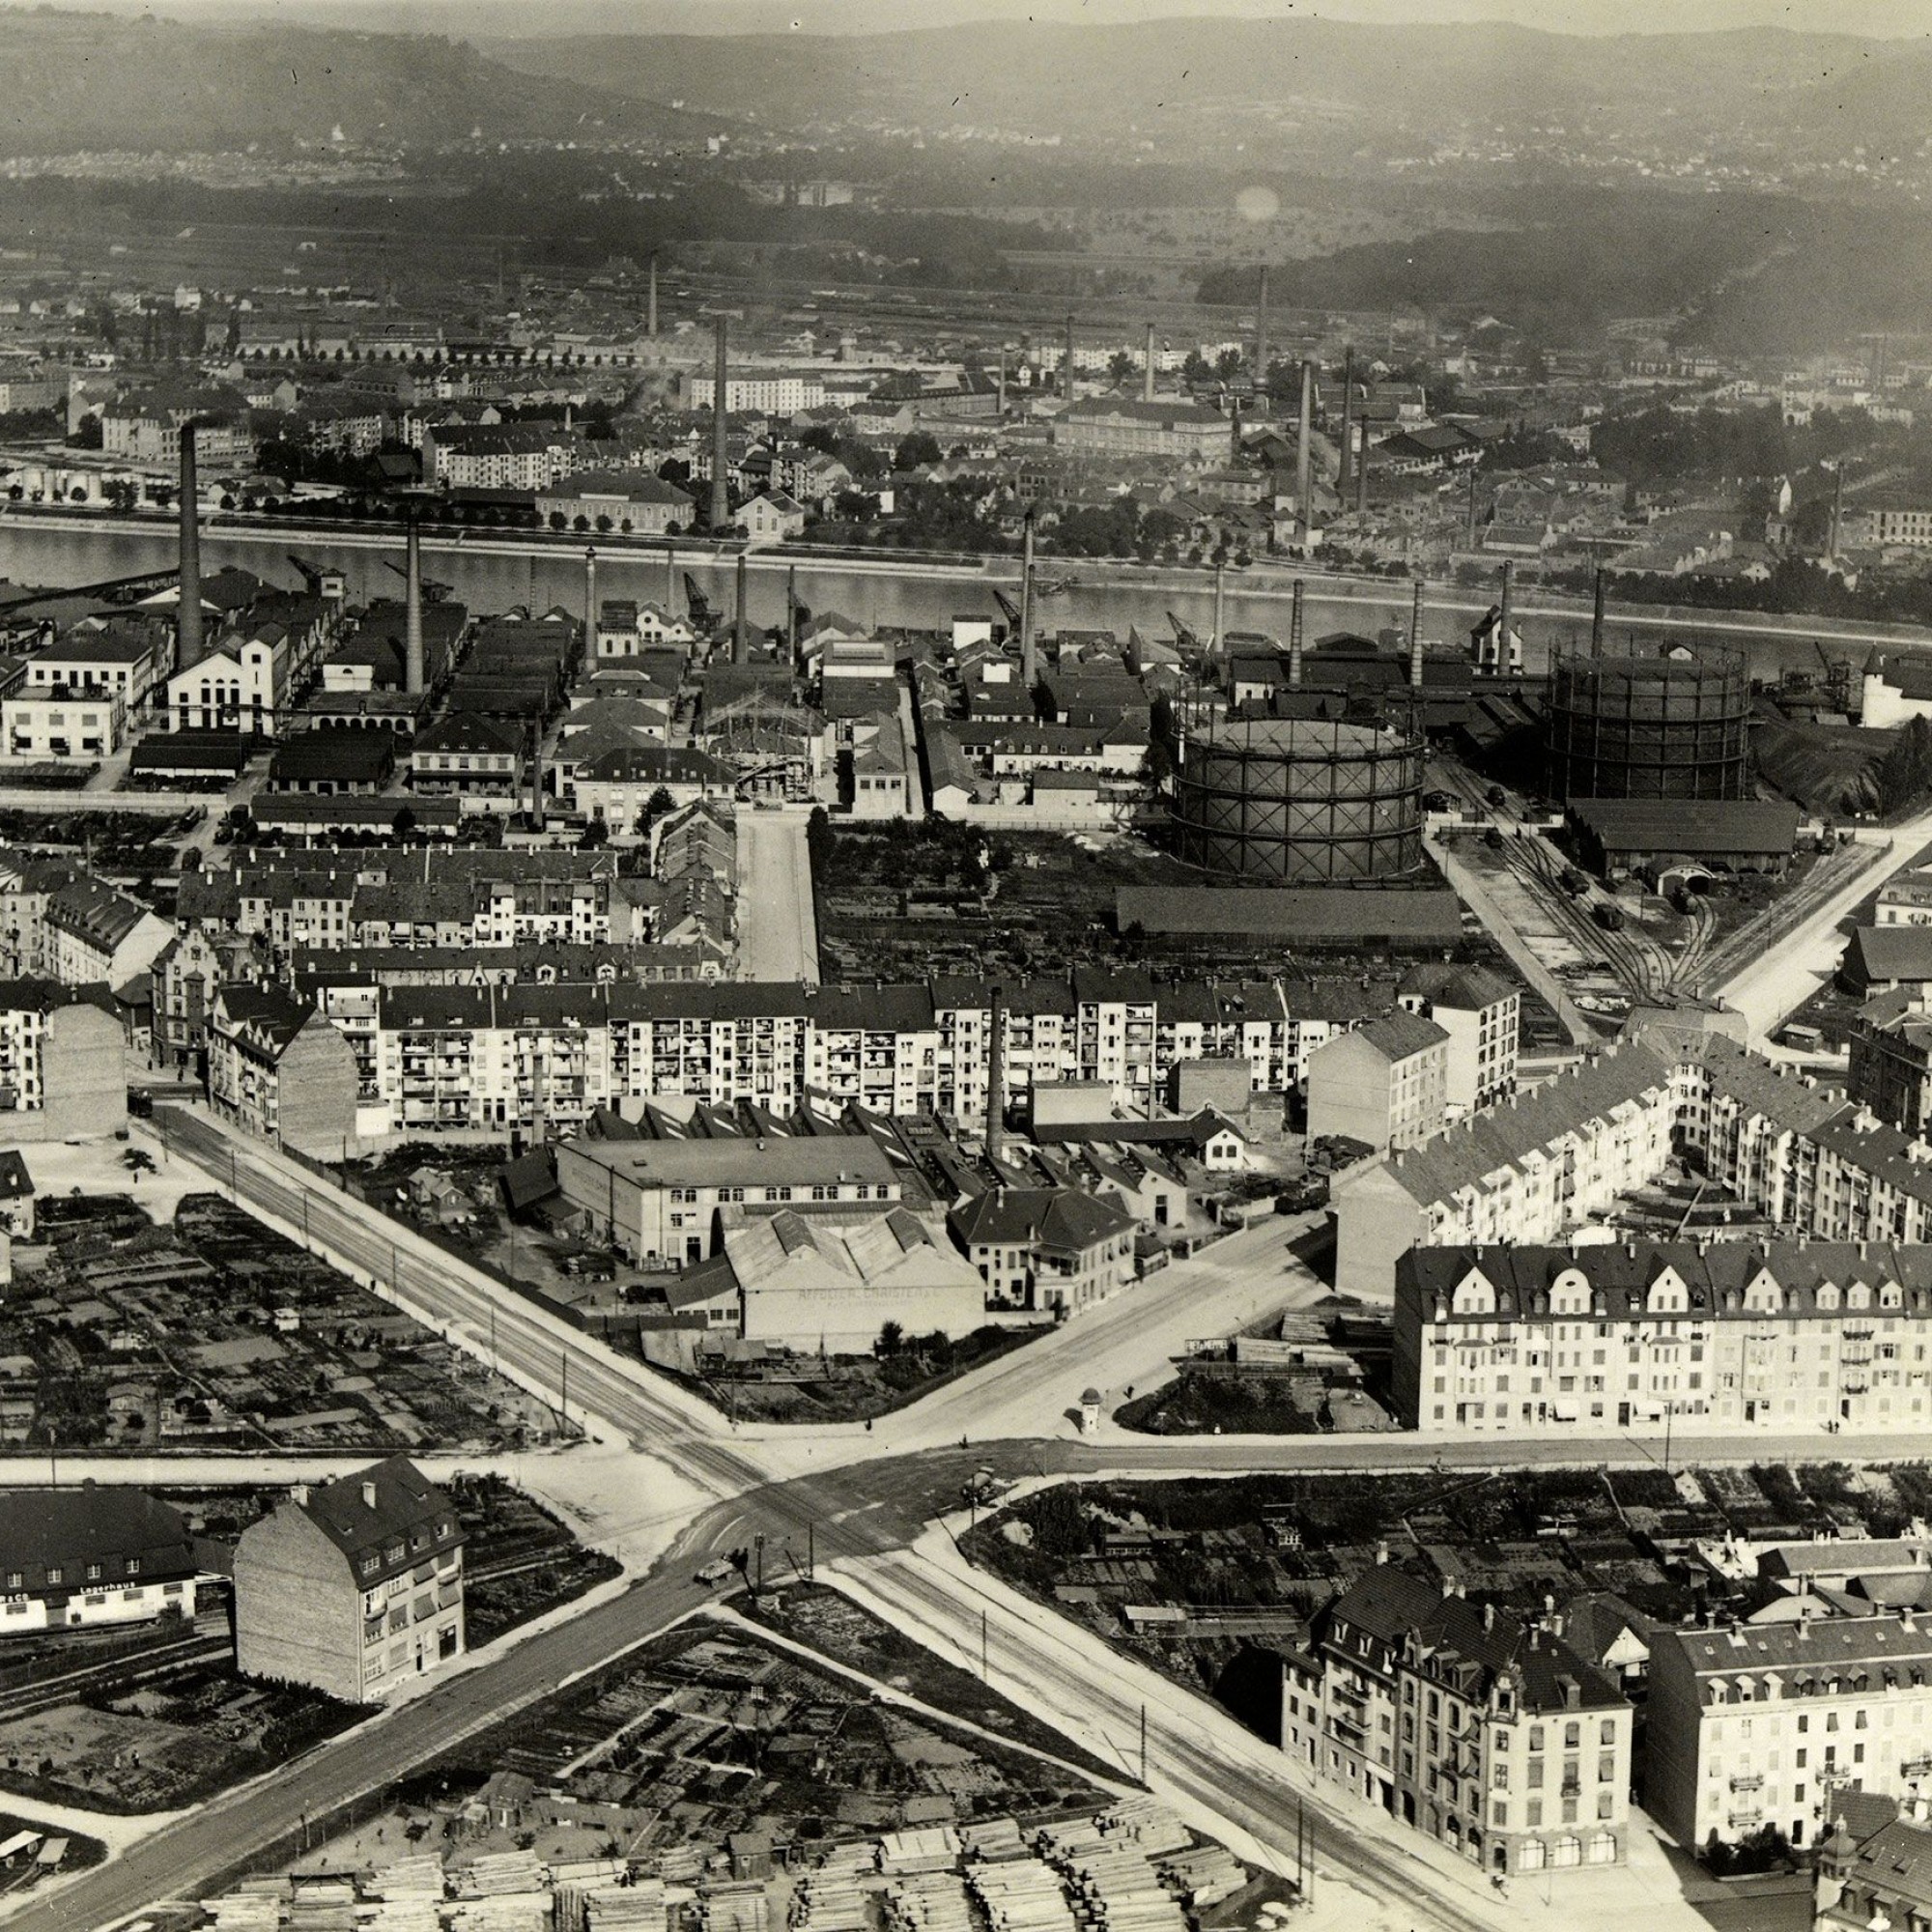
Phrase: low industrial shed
(1341,918)
(1629,835)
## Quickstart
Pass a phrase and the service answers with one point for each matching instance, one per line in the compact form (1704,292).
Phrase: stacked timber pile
(1022,1895)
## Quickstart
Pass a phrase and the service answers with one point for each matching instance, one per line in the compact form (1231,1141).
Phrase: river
(492,573)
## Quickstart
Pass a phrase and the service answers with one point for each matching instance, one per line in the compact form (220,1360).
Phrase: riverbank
(495,570)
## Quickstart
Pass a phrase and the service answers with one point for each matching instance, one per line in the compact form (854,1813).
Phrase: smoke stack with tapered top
(188,614)
(1505,615)
(590,600)
(1415,639)
(791,612)
(1262,339)
(1066,387)
(741,644)
(413,676)
(1347,424)
(996,1048)
(1028,669)
(651,314)
(721,452)
(1295,640)
(1304,476)
(1218,648)
(1596,616)
(1147,372)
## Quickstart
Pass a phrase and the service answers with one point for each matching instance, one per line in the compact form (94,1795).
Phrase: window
(133,1566)
(94,1576)
(1606,1731)
(55,1574)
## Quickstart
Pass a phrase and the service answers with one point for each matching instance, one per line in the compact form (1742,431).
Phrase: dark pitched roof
(373,1511)
(68,1529)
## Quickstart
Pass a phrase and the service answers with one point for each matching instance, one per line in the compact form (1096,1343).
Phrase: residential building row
(1798,1155)
(509,1055)
(1783,1335)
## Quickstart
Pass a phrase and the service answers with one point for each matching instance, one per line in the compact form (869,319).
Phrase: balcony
(1746,1819)
(1753,1782)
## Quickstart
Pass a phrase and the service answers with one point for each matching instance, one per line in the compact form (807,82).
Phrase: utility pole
(1143,1744)
(986,1670)
(811,1553)
(758,1555)
(563,1387)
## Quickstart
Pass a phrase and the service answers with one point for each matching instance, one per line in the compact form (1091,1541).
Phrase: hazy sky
(1884,17)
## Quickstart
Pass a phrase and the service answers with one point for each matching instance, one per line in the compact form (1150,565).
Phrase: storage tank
(1299,801)
(1648,726)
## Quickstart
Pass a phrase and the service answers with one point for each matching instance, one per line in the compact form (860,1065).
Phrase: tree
(596,833)
(654,808)
(892,1339)
(1122,366)
(403,822)
(916,450)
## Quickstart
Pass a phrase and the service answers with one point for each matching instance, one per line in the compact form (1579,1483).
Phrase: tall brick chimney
(188,616)
(721,450)
(414,675)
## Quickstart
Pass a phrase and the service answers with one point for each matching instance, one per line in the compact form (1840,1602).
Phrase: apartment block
(1771,1723)
(1488,1733)
(1791,1335)
(1385,1084)
(354,1586)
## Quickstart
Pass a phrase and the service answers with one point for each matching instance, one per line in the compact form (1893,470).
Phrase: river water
(486,578)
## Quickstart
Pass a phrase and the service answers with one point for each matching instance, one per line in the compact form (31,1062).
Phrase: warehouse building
(1634,835)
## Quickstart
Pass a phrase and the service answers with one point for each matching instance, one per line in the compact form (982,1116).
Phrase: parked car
(715,1571)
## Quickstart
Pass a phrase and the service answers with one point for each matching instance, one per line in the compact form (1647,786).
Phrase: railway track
(118,1674)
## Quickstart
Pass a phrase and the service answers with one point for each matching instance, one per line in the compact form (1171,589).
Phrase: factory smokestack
(1219,645)
(1066,367)
(1469,516)
(1002,381)
(414,677)
(1028,669)
(1304,479)
(1505,615)
(188,612)
(721,454)
(1596,616)
(590,600)
(1347,423)
(1295,640)
(741,643)
(1837,504)
(1362,466)
(996,1053)
(536,771)
(1262,339)
(1234,431)
(651,314)
(1146,370)
(1415,639)
(792,611)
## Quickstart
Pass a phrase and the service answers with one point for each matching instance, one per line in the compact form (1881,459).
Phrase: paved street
(778,930)
(672,1473)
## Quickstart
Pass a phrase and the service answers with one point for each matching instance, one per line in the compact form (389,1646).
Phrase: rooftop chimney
(368,1495)
(1294,637)
(721,454)
(187,614)
(1596,616)
(413,676)
(741,647)
(1347,423)
(1304,478)
(1415,639)
(1147,371)
(1261,337)
(651,314)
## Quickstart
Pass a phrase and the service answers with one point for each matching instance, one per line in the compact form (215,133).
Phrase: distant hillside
(1332,84)
(81,80)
